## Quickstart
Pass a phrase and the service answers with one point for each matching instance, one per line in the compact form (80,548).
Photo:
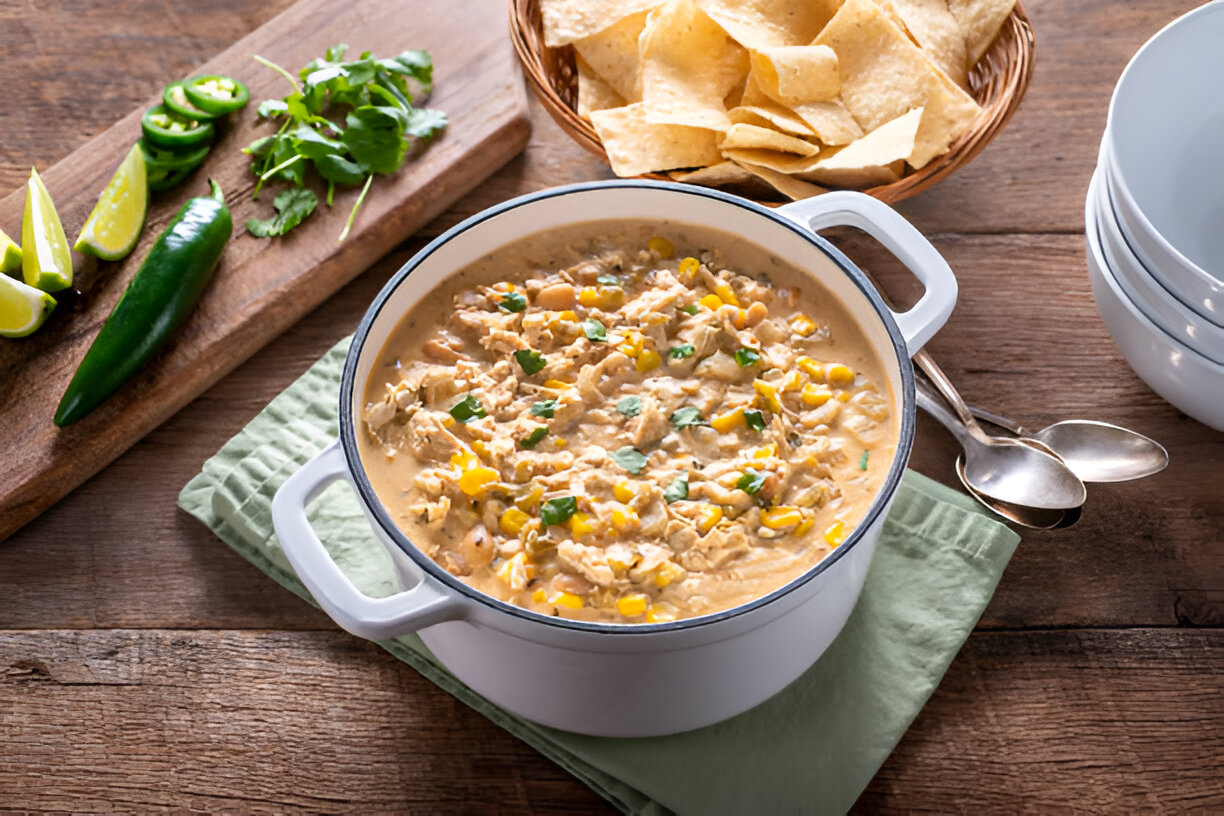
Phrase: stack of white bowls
(1154,216)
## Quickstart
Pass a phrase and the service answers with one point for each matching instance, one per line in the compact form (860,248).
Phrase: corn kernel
(512,521)
(711,302)
(838,374)
(516,571)
(588,296)
(475,481)
(539,596)
(843,396)
(624,491)
(810,367)
(803,325)
(660,613)
(808,521)
(566,599)
(741,319)
(765,451)
(632,605)
(688,269)
(559,442)
(728,421)
(725,293)
(556,385)
(620,559)
(504,286)
(710,515)
(530,499)
(835,534)
(648,360)
(568,315)
(583,523)
(661,246)
(480,448)
(813,396)
(464,460)
(625,519)
(792,382)
(611,298)
(448,421)
(768,395)
(667,572)
(780,518)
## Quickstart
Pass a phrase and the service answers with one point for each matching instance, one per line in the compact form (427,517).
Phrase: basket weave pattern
(997,82)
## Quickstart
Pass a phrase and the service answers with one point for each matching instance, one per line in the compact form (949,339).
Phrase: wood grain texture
(324,722)
(1036,714)
(262,286)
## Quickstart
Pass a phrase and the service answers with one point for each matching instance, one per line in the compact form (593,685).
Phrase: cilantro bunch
(380,129)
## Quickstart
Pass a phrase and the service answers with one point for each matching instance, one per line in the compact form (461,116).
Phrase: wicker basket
(997,82)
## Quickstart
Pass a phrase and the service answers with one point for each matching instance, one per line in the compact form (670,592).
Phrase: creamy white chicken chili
(628,422)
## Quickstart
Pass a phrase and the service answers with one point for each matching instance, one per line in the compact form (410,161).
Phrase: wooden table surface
(144,665)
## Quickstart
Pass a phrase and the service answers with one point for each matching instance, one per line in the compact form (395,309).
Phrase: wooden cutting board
(262,286)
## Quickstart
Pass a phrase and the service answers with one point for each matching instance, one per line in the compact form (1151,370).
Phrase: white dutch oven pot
(621,679)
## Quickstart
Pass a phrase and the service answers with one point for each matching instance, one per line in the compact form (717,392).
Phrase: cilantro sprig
(380,130)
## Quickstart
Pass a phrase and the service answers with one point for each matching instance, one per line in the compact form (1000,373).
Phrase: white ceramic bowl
(1145,291)
(1162,152)
(604,678)
(1187,379)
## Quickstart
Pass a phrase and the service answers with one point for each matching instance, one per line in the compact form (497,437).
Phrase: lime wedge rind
(46,262)
(23,308)
(10,255)
(114,226)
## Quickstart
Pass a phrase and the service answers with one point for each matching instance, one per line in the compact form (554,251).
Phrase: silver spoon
(1040,518)
(1004,468)
(1095,451)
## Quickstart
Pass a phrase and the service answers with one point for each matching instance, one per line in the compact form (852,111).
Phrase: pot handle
(886,225)
(423,605)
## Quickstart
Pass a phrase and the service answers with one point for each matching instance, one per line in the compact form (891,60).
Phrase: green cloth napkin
(811,749)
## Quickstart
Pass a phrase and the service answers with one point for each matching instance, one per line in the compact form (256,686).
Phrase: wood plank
(1130,561)
(263,286)
(1108,721)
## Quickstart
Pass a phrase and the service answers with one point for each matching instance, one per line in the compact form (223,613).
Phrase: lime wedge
(46,262)
(22,308)
(10,255)
(114,226)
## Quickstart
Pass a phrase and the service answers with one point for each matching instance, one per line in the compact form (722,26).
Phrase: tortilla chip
(772,159)
(980,22)
(613,54)
(728,176)
(636,145)
(758,24)
(689,65)
(770,116)
(872,159)
(884,76)
(830,121)
(568,20)
(797,74)
(935,29)
(593,93)
(788,186)
(753,137)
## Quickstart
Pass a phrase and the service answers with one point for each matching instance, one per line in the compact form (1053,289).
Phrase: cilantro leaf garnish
(746,357)
(755,419)
(558,511)
(692,309)
(608,280)
(531,360)
(292,206)
(863,460)
(532,439)
(467,409)
(545,408)
(686,416)
(682,351)
(595,331)
(751,481)
(512,302)
(678,489)
(630,458)
(630,406)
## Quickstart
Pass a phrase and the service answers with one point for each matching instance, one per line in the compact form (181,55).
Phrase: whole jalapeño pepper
(159,298)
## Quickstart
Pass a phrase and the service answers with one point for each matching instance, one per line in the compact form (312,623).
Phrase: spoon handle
(933,405)
(950,394)
(997,419)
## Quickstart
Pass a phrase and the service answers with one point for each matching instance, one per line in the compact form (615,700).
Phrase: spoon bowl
(1036,518)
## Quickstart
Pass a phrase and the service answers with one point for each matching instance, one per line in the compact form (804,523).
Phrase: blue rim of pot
(348,427)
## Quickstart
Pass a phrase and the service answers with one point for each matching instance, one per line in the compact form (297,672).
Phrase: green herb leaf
(677,490)
(292,206)
(863,460)
(686,416)
(339,170)
(680,352)
(425,123)
(630,406)
(534,437)
(558,511)
(630,458)
(512,302)
(692,309)
(272,107)
(595,331)
(608,280)
(544,409)
(467,409)
(755,419)
(375,138)
(746,357)
(531,360)
(751,481)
